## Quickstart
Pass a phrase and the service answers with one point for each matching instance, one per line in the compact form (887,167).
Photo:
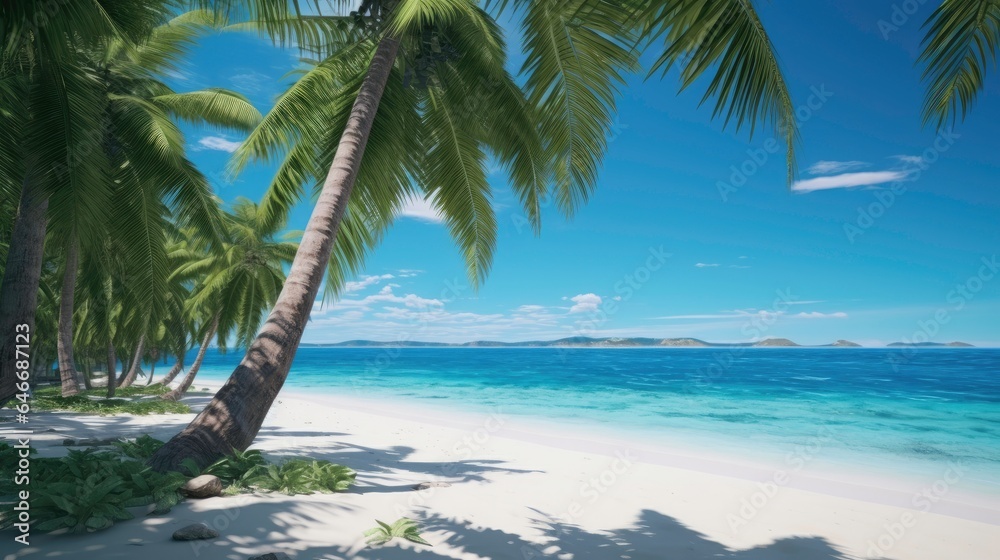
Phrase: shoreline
(845,479)
(514,487)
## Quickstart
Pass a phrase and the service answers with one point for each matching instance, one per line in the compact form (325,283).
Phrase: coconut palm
(961,44)
(237,285)
(46,104)
(142,173)
(416,91)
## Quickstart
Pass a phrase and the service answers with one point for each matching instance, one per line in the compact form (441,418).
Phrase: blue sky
(890,232)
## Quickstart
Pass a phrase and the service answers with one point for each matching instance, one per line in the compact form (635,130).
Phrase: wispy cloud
(706,265)
(818,315)
(364,282)
(419,208)
(747,313)
(585,302)
(910,160)
(825,167)
(848,180)
(250,81)
(218,143)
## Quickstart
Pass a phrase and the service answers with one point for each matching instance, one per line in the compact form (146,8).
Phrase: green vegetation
(403,528)
(141,448)
(304,477)
(90,490)
(94,402)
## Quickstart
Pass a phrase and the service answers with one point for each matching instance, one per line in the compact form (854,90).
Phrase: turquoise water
(913,411)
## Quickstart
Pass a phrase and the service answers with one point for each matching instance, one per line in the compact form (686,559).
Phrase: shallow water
(909,411)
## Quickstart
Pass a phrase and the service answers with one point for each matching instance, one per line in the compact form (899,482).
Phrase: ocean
(904,411)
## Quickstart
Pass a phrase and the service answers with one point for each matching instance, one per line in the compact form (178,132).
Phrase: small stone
(428,485)
(195,532)
(204,486)
(271,556)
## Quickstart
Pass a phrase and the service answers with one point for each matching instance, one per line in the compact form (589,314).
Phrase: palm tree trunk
(233,418)
(112,366)
(178,367)
(189,378)
(67,368)
(152,370)
(87,372)
(19,289)
(136,362)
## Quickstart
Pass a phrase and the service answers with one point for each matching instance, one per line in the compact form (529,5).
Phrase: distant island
(617,342)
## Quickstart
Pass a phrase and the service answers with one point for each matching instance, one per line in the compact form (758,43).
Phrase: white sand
(520,491)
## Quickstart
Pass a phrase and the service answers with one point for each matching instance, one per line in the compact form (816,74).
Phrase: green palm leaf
(727,36)
(960,45)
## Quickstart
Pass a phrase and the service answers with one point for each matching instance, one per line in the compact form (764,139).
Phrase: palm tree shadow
(653,536)
(390,469)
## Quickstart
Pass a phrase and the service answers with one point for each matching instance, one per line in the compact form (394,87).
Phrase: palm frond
(727,36)
(958,50)
(576,60)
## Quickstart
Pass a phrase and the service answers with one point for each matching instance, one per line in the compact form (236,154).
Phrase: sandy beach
(516,490)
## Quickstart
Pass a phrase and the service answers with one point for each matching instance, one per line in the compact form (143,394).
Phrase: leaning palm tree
(961,44)
(428,76)
(237,285)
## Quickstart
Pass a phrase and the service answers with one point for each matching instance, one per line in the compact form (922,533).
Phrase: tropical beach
(503,486)
(499,279)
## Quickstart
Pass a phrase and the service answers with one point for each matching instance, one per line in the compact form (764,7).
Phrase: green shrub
(239,467)
(89,490)
(304,477)
(403,528)
(142,448)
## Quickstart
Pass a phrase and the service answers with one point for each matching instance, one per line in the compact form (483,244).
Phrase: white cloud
(250,82)
(585,302)
(218,143)
(419,208)
(912,160)
(847,180)
(818,315)
(706,265)
(386,296)
(826,167)
(364,282)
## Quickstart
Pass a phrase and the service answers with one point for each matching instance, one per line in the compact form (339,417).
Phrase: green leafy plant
(88,490)
(142,448)
(304,477)
(403,528)
(239,467)
(92,503)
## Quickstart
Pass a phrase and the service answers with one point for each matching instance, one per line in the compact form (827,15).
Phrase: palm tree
(462,105)
(238,285)
(144,169)
(45,105)
(962,40)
